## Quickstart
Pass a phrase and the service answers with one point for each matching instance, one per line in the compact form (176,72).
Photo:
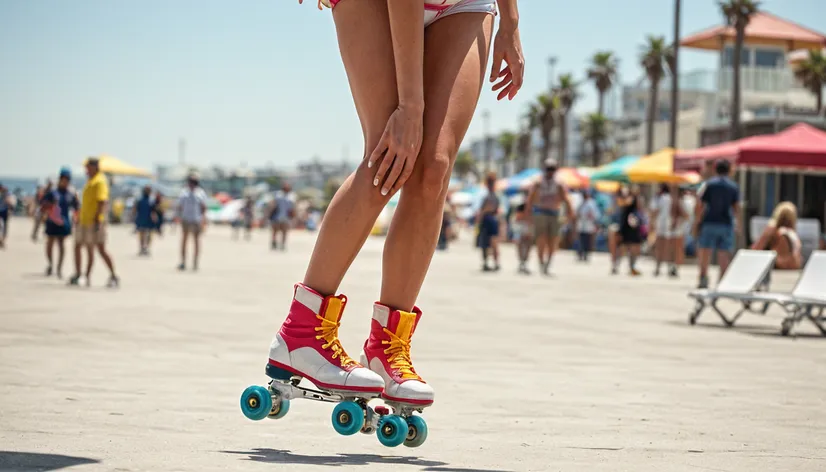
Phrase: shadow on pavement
(30,461)
(287,457)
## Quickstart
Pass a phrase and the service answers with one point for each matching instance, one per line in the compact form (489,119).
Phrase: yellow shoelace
(329,332)
(398,354)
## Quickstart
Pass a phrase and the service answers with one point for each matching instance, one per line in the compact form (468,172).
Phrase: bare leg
(553,243)
(284,230)
(363,29)
(90,253)
(704,256)
(660,250)
(49,248)
(196,242)
(542,243)
(61,247)
(679,250)
(184,237)
(106,258)
(77,259)
(455,55)
(723,259)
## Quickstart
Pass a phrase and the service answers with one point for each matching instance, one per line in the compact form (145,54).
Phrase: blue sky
(258,81)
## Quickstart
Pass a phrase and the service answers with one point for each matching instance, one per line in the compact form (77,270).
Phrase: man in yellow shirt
(91,228)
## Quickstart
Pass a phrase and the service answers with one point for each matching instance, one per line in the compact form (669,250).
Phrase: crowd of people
(60,212)
(703,217)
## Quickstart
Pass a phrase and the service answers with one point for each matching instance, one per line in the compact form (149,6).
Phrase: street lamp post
(675,78)
(486,131)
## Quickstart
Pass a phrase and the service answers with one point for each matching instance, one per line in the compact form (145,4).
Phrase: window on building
(728,56)
(771,58)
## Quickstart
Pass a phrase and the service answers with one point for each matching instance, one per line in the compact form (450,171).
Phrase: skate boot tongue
(402,324)
(331,311)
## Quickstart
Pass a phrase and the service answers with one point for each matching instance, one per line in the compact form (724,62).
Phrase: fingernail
(369,164)
(375,182)
(384,191)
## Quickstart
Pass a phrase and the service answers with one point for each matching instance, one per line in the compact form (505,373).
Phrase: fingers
(517,69)
(393,177)
(386,162)
(381,147)
(408,170)
(496,68)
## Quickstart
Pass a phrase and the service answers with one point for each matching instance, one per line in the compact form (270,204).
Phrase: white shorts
(435,9)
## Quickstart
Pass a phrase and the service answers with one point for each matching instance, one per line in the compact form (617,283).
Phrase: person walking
(715,223)
(91,228)
(37,213)
(282,214)
(60,208)
(587,220)
(191,211)
(6,208)
(144,213)
(488,225)
(631,231)
(545,201)
(522,232)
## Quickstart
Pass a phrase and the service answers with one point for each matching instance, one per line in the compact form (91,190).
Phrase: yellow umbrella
(659,168)
(114,166)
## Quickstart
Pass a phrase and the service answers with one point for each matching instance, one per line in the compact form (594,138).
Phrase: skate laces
(328,331)
(398,355)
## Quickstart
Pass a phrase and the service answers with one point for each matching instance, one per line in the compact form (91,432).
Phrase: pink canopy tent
(801,146)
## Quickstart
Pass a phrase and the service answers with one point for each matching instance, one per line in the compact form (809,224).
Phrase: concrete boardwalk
(582,372)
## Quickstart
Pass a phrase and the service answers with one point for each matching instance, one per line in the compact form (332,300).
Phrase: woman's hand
(507,47)
(399,145)
(319,3)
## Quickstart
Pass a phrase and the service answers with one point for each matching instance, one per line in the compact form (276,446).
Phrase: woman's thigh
(366,46)
(455,59)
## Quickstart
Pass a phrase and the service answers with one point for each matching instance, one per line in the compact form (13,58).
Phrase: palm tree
(603,71)
(523,149)
(655,55)
(507,141)
(737,14)
(595,129)
(566,94)
(812,74)
(465,164)
(542,114)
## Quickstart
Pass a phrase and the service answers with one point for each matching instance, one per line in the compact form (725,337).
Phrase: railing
(752,79)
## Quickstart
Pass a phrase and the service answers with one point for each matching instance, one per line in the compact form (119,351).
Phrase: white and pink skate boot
(387,352)
(307,346)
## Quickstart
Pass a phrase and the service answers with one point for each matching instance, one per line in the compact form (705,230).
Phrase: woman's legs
(660,252)
(363,29)
(455,59)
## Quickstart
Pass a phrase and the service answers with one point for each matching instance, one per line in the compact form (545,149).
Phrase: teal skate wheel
(256,402)
(392,430)
(416,431)
(279,410)
(348,418)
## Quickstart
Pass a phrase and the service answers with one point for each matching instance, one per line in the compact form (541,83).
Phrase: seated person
(781,237)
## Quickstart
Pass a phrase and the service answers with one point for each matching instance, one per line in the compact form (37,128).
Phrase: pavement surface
(579,372)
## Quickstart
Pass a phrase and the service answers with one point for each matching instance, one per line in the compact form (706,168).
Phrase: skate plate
(394,422)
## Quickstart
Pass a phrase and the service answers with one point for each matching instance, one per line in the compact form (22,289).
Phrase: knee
(430,183)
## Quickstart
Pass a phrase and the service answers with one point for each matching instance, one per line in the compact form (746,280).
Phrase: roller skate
(307,347)
(387,352)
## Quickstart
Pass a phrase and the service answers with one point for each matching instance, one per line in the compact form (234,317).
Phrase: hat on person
(550,163)
(65,172)
(93,161)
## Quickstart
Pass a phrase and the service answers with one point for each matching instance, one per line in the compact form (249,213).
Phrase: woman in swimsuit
(415,70)
(781,237)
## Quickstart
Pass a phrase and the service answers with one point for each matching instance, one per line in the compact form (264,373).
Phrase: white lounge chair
(744,276)
(808,298)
